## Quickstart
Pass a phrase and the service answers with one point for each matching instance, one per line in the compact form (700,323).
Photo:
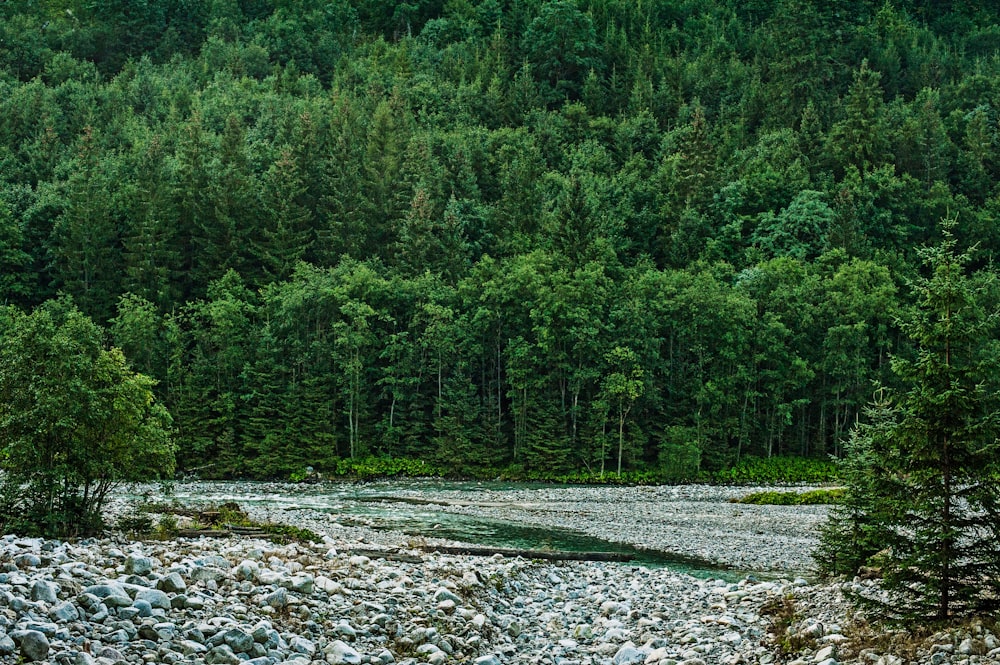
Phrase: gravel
(248,601)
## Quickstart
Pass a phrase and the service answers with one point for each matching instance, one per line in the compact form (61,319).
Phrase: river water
(400,505)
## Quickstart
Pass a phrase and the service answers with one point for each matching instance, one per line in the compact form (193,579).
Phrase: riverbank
(688,521)
(249,601)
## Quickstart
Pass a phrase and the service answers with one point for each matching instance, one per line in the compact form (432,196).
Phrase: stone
(27,560)
(34,645)
(489,659)
(302,645)
(165,631)
(45,591)
(340,653)
(144,608)
(190,647)
(112,594)
(302,584)
(222,655)
(137,564)
(238,640)
(207,574)
(171,583)
(443,594)
(277,598)
(347,630)
(246,571)
(155,597)
(628,655)
(260,632)
(7,646)
(825,653)
(64,612)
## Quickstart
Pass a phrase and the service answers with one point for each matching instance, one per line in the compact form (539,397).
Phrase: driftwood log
(547,555)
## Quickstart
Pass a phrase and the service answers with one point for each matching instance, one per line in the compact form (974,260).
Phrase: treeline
(559,235)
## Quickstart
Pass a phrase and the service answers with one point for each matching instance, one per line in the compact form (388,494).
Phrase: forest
(547,237)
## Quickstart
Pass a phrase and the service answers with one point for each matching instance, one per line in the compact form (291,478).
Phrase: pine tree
(931,503)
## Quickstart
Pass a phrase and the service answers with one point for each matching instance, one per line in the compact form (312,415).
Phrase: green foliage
(778,470)
(922,484)
(374,468)
(75,421)
(287,532)
(812,497)
(430,230)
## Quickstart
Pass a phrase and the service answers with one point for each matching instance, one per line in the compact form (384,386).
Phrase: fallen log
(547,555)
(208,533)
(388,556)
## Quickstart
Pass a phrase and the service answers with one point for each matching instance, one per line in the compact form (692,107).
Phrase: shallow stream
(411,507)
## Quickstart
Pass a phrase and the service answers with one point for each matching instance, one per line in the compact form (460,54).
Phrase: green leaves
(75,421)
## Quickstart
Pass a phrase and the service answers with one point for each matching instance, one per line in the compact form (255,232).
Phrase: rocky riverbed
(244,600)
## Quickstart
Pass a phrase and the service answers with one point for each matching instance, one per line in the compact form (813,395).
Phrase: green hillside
(546,237)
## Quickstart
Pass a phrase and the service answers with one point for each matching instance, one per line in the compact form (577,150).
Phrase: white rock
(340,653)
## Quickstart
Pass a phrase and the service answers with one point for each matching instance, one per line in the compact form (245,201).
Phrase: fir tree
(923,486)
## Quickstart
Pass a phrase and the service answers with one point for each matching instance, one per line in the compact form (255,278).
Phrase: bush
(812,497)
(778,470)
(75,422)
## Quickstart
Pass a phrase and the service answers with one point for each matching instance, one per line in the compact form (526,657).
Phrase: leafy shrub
(777,470)
(75,422)
(812,497)
(371,468)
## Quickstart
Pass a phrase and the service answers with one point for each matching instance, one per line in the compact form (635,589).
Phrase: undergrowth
(812,497)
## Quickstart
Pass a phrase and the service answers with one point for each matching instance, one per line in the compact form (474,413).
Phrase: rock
(302,645)
(137,564)
(189,647)
(27,560)
(825,653)
(45,591)
(340,653)
(443,594)
(489,659)
(155,597)
(277,598)
(303,584)
(222,655)
(207,574)
(171,583)
(628,655)
(238,640)
(144,608)
(64,612)
(246,571)
(34,645)
(7,646)
(112,594)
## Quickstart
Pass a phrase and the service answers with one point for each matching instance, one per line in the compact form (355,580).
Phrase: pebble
(245,601)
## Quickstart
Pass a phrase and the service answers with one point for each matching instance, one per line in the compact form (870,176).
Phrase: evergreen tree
(932,500)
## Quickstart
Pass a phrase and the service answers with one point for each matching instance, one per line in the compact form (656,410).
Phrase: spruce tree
(923,486)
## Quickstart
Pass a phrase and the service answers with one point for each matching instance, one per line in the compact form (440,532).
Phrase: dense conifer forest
(549,237)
